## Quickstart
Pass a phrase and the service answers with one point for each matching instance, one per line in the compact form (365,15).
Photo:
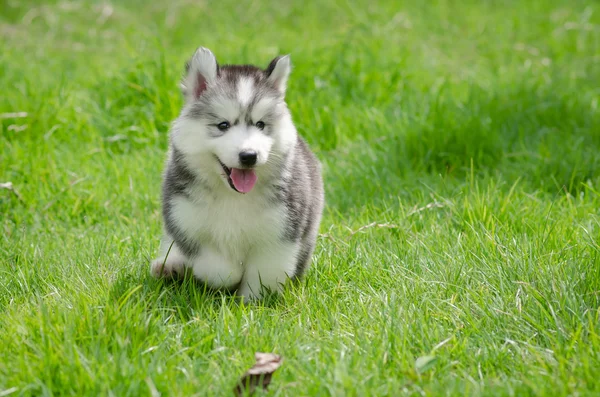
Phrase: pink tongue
(243,180)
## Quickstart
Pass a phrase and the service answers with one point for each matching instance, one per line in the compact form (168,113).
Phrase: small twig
(9,186)
(360,229)
(17,128)
(371,225)
(335,240)
(153,390)
(8,391)
(386,225)
(106,12)
(416,210)
(13,115)
(325,235)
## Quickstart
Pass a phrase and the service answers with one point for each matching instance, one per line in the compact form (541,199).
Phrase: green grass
(462,137)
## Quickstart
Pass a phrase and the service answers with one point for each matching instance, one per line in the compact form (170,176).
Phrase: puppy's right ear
(200,72)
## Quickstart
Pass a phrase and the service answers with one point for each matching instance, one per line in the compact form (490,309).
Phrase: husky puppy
(242,194)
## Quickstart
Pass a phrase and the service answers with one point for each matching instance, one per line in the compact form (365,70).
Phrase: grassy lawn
(460,247)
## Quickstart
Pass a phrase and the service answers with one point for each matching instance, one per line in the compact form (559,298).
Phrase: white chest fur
(232,224)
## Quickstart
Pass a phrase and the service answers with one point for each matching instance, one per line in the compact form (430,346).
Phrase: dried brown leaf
(260,373)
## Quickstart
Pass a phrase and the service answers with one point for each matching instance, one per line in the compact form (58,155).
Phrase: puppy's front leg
(171,261)
(215,269)
(268,267)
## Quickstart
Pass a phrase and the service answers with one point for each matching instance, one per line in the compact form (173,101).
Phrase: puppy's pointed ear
(200,71)
(278,72)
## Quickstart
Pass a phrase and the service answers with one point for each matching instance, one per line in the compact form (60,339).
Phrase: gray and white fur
(242,193)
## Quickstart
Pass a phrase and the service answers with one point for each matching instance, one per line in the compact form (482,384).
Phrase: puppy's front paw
(256,291)
(166,269)
(247,294)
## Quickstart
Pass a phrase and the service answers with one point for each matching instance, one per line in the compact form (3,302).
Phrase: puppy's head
(235,122)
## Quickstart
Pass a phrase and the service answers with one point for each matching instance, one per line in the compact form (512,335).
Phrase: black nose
(248,158)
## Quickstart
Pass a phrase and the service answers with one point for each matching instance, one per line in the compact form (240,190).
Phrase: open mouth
(240,180)
(227,171)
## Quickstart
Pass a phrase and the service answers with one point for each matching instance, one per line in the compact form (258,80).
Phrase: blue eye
(224,126)
(260,125)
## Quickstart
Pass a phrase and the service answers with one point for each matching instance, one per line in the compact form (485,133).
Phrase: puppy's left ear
(278,72)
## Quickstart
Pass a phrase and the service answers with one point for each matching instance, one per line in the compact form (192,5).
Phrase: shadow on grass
(185,297)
